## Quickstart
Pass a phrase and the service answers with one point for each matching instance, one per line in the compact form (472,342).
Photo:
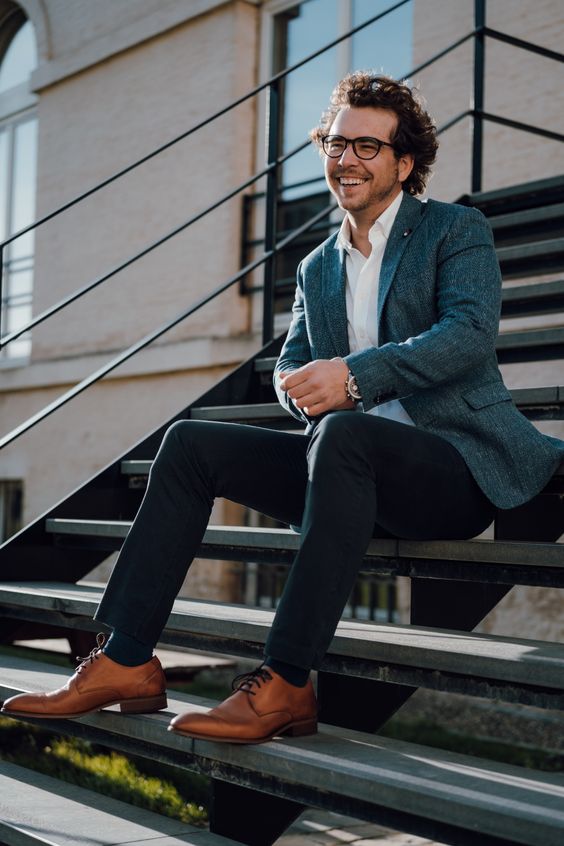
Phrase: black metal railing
(157,333)
(273,191)
(271,86)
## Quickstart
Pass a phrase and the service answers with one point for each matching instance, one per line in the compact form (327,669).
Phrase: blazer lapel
(407,219)
(333,277)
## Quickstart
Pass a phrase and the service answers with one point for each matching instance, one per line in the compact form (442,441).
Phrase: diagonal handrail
(205,122)
(54,309)
(523,45)
(6,339)
(524,127)
(165,327)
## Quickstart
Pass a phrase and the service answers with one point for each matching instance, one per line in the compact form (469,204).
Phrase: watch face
(353,388)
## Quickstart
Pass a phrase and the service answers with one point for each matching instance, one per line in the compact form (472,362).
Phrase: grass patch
(107,772)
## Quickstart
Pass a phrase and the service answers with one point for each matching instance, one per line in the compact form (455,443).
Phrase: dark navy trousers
(356,477)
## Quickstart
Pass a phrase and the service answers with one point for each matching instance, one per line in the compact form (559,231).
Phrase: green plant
(110,773)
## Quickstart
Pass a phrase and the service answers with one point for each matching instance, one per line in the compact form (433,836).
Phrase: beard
(372,193)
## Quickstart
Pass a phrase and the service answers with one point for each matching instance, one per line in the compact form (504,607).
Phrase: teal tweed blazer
(438,317)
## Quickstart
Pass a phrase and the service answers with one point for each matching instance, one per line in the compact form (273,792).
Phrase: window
(19,60)
(18,156)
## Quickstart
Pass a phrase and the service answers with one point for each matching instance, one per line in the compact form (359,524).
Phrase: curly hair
(416,133)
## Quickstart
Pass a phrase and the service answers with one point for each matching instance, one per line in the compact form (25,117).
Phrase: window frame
(18,105)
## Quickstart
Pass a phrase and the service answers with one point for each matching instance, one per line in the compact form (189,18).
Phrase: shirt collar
(384,224)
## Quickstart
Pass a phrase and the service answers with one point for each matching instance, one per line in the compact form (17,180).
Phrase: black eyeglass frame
(353,142)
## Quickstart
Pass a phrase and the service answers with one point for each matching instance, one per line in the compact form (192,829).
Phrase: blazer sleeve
(296,350)
(467,301)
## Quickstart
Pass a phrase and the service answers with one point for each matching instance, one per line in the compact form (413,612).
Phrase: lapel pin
(406,233)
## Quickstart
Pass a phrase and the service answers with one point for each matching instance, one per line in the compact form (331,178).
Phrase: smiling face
(365,187)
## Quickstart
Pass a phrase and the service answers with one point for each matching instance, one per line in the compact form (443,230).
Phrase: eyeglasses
(365,148)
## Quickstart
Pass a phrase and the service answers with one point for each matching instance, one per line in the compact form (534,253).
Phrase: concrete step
(410,787)
(504,562)
(37,809)
(515,670)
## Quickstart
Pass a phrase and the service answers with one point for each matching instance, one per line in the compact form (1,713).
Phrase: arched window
(18,157)
(20,59)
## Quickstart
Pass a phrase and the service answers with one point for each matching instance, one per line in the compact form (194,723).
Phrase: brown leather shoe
(97,683)
(263,706)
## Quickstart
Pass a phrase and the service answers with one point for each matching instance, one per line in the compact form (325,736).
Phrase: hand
(318,386)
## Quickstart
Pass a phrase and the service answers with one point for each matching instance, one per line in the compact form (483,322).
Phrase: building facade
(88,88)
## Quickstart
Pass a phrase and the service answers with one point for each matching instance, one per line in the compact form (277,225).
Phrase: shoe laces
(245,681)
(94,653)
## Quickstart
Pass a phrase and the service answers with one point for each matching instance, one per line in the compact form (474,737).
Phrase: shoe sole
(147,705)
(300,729)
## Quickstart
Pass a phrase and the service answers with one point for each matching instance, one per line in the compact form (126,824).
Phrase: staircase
(346,767)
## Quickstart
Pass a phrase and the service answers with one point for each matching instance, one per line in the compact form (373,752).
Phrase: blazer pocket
(487,395)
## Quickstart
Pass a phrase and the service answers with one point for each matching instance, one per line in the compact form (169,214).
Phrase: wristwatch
(351,388)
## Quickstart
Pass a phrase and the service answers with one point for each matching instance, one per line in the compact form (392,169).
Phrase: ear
(405,166)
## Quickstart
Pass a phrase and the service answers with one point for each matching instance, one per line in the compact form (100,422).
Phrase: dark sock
(289,672)
(126,650)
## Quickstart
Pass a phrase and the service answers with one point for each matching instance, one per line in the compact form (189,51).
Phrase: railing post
(478,95)
(272,153)
(1,288)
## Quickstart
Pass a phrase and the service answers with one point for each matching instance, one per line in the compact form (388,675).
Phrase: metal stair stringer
(33,554)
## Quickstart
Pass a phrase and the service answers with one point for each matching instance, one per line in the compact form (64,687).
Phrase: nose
(347,155)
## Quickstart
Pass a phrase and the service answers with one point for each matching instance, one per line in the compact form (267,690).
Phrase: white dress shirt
(363,277)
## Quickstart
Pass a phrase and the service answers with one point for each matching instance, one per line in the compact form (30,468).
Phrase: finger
(302,390)
(309,399)
(293,380)
(316,408)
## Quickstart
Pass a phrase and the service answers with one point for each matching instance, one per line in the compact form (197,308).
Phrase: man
(390,359)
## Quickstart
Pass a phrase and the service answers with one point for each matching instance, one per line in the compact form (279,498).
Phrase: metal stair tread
(533,290)
(512,660)
(265,410)
(478,550)
(530,250)
(530,337)
(532,299)
(338,766)
(507,220)
(39,809)
(532,194)
(266,365)
(274,411)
